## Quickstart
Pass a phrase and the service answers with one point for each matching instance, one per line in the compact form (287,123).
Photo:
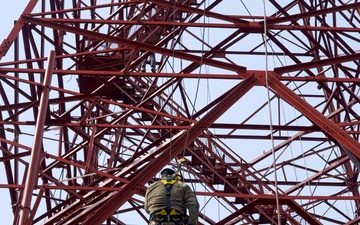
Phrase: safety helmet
(168,170)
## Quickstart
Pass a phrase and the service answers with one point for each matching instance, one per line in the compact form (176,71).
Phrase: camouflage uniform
(181,198)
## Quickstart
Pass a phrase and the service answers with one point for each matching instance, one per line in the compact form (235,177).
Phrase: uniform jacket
(181,198)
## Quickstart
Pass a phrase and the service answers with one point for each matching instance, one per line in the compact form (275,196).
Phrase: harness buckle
(162,216)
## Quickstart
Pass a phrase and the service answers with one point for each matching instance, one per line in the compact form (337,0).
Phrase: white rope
(195,101)
(200,69)
(270,116)
(172,78)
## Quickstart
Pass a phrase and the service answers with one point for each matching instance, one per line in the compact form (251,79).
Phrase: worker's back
(168,199)
(156,197)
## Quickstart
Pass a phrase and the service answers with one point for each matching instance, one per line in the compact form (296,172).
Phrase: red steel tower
(261,99)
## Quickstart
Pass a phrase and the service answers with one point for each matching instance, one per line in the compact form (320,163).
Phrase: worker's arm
(146,207)
(146,202)
(192,205)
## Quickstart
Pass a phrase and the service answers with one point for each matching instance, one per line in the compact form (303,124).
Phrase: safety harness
(168,214)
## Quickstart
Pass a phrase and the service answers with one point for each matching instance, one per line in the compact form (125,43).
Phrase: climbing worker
(168,199)
(152,63)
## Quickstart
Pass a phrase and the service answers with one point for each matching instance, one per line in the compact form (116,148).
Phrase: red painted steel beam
(33,169)
(354,221)
(328,127)
(76,124)
(252,27)
(263,127)
(318,63)
(200,12)
(301,211)
(322,78)
(36,205)
(6,44)
(138,45)
(315,176)
(176,146)
(309,14)
(100,73)
(262,201)
(87,7)
(239,212)
(265,137)
(267,197)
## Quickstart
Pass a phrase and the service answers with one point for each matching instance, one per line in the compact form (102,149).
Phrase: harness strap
(168,203)
(162,216)
(168,214)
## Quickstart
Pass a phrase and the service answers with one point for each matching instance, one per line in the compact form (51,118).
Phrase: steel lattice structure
(262,101)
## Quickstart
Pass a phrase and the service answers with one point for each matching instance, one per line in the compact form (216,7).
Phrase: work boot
(153,70)
(143,69)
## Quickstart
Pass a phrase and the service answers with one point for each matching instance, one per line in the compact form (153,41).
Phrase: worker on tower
(168,199)
(152,63)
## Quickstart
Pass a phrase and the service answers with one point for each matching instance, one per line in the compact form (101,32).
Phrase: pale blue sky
(9,12)
(12,11)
